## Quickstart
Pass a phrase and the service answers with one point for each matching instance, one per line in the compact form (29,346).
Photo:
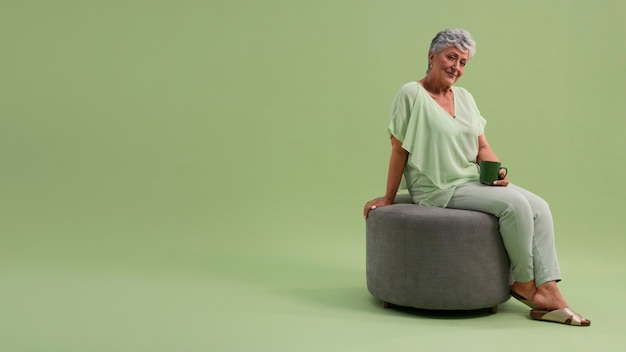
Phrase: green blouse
(442,150)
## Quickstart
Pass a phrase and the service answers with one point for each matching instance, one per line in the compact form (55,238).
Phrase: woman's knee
(515,203)
(537,203)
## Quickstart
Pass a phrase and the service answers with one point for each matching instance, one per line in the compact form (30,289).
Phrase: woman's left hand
(502,181)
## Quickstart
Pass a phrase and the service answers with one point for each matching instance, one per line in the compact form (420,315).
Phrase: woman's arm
(484,150)
(397,161)
(486,153)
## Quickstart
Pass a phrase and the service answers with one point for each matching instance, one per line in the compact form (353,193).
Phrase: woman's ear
(431,58)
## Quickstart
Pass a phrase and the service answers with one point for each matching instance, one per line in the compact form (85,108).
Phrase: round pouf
(435,258)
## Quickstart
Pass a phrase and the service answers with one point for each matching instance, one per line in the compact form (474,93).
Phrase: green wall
(234,139)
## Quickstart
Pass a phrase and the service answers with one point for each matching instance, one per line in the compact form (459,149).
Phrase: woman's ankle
(525,289)
(549,295)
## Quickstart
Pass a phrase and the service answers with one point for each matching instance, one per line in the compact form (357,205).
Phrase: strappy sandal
(563,316)
(518,297)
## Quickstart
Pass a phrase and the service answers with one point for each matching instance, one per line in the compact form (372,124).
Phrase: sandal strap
(565,316)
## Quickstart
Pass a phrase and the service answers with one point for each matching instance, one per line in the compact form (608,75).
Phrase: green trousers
(526,227)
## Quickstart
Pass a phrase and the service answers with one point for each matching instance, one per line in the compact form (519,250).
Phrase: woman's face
(448,65)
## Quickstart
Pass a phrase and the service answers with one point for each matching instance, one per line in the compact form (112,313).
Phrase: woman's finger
(369,207)
(501,183)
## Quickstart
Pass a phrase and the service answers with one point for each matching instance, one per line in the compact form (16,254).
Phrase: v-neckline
(436,103)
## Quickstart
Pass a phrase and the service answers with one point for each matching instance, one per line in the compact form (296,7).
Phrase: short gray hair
(459,38)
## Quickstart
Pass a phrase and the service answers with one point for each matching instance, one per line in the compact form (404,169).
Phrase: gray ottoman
(434,258)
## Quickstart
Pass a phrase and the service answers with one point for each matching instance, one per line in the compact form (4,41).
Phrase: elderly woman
(437,138)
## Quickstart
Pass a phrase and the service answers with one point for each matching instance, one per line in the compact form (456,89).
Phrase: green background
(190,175)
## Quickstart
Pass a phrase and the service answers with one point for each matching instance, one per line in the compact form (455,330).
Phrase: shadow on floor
(359,299)
(440,314)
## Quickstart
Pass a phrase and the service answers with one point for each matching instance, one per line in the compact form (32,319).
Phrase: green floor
(247,295)
(188,175)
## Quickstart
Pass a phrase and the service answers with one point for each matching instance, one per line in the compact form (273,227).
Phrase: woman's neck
(435,88)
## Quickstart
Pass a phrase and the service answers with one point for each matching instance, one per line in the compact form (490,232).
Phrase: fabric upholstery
(435,258)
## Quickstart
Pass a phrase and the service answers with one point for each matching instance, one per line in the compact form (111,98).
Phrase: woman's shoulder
(462,92)
(408,89)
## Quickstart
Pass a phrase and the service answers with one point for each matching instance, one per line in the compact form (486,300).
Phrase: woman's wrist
(389,199)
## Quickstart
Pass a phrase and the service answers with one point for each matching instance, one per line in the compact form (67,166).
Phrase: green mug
(490,171)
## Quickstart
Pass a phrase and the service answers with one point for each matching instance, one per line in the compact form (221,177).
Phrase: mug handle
(506,171)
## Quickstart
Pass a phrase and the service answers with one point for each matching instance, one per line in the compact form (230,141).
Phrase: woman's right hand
(374,204)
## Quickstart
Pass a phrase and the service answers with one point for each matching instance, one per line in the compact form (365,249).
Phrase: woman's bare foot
(549,297)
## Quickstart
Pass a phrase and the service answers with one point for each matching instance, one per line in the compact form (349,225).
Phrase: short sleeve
(482,123)
(468,104)
(401,110)
(468,100)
